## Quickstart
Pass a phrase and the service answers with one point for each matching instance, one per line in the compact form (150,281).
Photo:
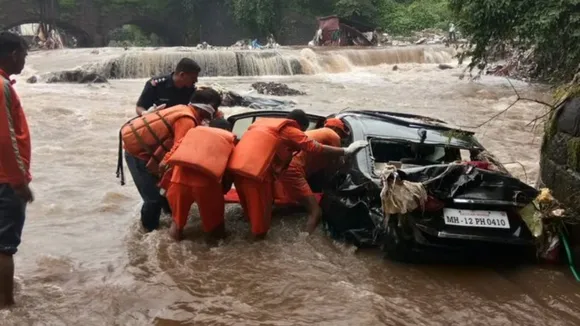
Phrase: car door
(241,122)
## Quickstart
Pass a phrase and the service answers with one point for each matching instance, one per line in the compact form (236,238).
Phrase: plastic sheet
(352,203)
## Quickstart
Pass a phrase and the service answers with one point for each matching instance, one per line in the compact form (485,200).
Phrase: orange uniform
(256,196)
(188,186)
(199,162)
(15,143)
(146,140)
(292,185)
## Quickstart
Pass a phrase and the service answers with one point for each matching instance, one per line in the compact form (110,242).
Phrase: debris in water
(421,41)
(277,89)
(400,196)
(444,66)
(546,219)
(231,99)
(76,76)
(204,46)
(32,80)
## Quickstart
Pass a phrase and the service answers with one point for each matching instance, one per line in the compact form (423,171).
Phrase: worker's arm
(302,142)
(147,98)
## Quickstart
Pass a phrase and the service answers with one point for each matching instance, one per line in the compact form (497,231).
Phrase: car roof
(403,126)
(391,125)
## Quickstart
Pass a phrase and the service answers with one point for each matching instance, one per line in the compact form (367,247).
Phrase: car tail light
(480,164)
(433,204)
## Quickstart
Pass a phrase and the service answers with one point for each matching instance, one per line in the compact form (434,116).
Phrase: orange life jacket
(260,149)
(204,149)
(151,135)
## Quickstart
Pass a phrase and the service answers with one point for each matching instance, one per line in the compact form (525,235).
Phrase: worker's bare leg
(314,212)
(6,280)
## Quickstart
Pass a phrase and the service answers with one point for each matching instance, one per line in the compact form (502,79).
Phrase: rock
(93,78)
(276,89)
(421,40)
(95,52)
(395,68)
(444,66)
(32,80)
(76,76)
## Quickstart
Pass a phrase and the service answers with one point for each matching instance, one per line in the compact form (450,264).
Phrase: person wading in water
(14,162)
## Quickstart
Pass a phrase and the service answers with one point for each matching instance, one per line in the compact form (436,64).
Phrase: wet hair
(188,66)
(10,42)
(221,123)
(300,117)
(207,96)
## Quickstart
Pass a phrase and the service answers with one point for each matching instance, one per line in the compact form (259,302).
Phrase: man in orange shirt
(190,186)
(14,162)
(256,194)
(169,125)
(293,182)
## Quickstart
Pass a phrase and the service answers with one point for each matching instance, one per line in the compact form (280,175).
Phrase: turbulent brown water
(83,260)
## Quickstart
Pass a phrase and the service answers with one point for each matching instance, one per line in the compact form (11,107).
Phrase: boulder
(276,89)
(444,66)
(560,162)
(76,76)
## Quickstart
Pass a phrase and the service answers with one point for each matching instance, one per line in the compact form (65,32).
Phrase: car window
(410,154)
(241,125)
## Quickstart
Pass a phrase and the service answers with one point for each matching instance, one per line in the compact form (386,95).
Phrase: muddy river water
(83,260)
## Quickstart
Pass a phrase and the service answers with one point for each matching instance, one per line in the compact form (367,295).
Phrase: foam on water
(141,63)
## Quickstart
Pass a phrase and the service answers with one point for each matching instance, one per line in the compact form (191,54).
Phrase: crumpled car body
(470,208)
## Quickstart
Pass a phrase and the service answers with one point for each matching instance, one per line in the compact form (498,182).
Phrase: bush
(404,18)
(551,28)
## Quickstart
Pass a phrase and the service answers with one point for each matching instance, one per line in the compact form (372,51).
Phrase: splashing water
(143,64)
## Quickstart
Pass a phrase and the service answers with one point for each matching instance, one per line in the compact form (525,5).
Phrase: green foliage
(262,17)
(393,16)
(404,17)
(362,10)
(130,35)
(259,16)
(551,28)
(574,154)
(67,4)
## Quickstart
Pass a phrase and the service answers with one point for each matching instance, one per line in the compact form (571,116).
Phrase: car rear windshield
(408,154)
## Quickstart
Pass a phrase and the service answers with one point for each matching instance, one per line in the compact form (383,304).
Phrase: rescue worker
(293,182)
(198,176)
(15,175)
(148,138)
(170,90)
(263,153)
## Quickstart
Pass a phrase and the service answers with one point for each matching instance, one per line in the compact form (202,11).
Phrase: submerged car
(472,202)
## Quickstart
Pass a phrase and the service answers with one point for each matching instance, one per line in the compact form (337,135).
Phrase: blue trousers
(146,183)
(12,216)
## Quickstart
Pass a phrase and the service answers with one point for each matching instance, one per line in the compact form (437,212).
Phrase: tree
(551,28)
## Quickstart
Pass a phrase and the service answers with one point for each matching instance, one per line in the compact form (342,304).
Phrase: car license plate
(478,219)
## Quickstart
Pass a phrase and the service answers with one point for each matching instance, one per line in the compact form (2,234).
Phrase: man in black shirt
(167,91)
